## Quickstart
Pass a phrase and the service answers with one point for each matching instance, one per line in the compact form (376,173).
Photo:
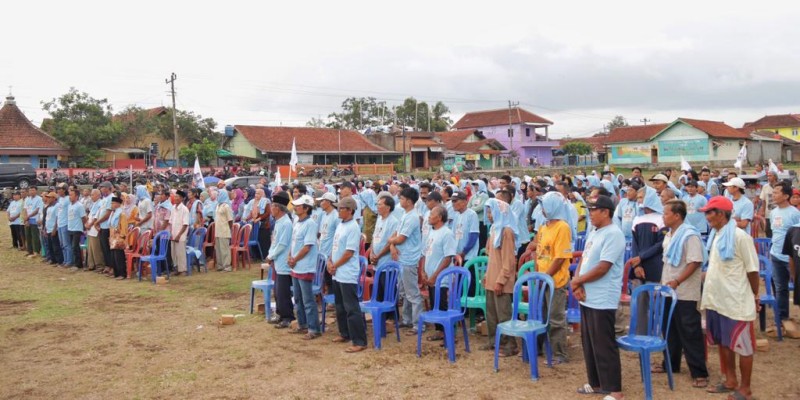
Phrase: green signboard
(688,148)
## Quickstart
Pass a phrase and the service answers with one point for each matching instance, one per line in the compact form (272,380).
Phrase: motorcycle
(319,173)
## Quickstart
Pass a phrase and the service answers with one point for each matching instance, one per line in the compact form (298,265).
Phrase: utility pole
(511,106)
(171,82)
(416,113)
(644,120)
(429,117)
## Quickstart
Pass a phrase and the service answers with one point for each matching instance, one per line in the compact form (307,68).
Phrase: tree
(83,123)
(618,122)
(137,124)
(191,127)
(205,151)
(441,121)
(359,113)
(577,148)
(316,123)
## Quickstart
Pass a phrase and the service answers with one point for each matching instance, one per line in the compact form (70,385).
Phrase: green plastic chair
(482,252)
(478,301)
(529,266)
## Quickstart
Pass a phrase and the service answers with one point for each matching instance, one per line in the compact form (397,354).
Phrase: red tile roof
(644,133)
(455,141)
(775,121)
(480,119)
(598,142)
(17,132)
(278,139)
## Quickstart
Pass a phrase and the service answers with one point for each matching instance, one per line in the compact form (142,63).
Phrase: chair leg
(548,350)
(420,325)
(377,332)
(466,336)
(525,354)
(324,311)
(252,297)
(497,350)
(450,341)
(396,325)
(530,345)
(648,384)
(267,305)
(669,370)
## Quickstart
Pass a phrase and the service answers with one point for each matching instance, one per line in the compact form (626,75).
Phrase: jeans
(412,302)
(66,246)
(780,278)
(306,305)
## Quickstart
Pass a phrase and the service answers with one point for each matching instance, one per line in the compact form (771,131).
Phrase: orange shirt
(554,242)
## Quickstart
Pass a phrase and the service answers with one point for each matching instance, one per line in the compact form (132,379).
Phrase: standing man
(94,252)
(178,226)
(102,225)
(477,203)
(344,266)
(683,256)
(730,295)
(14,211)
(223,225)
(62,217)
(279,257)
(767,205)
(76,219)
(466,229)
(597,285)
(783,217)
(303,262)
(33,209)
(440,247)
(405,249)
(742,206)
(54,252)
(327,229)
(694,202)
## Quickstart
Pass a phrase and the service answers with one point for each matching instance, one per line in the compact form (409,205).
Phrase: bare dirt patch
(15,307)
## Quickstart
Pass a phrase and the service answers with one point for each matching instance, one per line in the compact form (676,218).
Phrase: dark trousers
(482,236)
(780,279)
(264,240)
(105,247)
(349,317)
(54,249)
(18,236)
(32,239)
(120,268)
(75,240)
(686,335)
(600,350)
(442,295)
(283,297)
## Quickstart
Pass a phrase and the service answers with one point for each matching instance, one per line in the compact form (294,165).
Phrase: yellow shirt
(581,208)
(554,243)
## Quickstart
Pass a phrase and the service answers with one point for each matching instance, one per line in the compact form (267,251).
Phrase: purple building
(529,138)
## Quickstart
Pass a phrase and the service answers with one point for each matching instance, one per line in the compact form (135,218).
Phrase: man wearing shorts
(730,295)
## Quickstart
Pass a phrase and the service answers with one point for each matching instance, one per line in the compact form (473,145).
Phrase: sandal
(298,330)
(355,349)
(311,335)
(737,395)
(508,353)
(700,383)
(339,339)
(720,388)
(588,389)
(435,338)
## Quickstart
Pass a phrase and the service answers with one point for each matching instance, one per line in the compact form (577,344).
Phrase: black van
(19,175)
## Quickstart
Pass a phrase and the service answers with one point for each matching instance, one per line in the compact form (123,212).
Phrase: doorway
(654,155)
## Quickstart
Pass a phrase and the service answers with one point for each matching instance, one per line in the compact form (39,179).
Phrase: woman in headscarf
(129,207)
(477,203)
(237,201)
(209,206)
(501,271)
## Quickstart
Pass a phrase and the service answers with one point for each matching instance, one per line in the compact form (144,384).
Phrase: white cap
(304,200)
(738,182)
(327,196)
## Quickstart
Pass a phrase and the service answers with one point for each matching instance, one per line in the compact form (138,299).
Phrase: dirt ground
(84,336)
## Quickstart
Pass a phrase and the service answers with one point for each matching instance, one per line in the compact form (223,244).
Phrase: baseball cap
(435,196)
(738,182)
(719,203)
(304,200)
(327,196)
(105,184)
(601,202)
(795,192)
(659,177)
(458,196)
(347,202)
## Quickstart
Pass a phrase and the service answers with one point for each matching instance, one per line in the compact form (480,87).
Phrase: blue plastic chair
(390,272)
(768,299)
(319,275)
(536,324)
(580,242)
(628,251)
(763,246)
(160,243)
(265,286)
(656,338)
(457,279)
(253,242)
(331,299)
(195,243)
(573,307)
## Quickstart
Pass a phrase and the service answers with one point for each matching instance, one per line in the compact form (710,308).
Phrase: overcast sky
(269,63)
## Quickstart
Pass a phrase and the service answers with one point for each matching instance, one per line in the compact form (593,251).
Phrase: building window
(794,131)
(528,132)
(42,162)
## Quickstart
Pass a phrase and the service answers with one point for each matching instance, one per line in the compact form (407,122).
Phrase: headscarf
(593,181)
(727,242)
(127,204)
(481,186)
(238,199)
(223,197)
(554,206)
(142,193)
(674,251)
(502,217)
(517,184)
(652,201)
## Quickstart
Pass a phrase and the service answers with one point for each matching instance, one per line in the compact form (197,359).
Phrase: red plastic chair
(240,247)
(133,238)
(142,247)
(209,242)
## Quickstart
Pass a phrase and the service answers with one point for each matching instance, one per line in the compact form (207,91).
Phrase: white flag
(685,165)
(772,166)
(740,159)
(278,177)
(293,159)
(197,175)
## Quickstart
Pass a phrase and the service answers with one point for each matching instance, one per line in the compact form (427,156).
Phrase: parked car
(19,175)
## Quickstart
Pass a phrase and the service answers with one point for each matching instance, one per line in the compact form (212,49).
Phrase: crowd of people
(691,230)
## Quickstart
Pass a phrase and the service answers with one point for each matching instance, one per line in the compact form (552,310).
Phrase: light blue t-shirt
(440,244)
(327,229)
(33,204)
(346,237)
(449,207)
(604,244)
(743,209)
(247,209)
(518,209)
(781,219)
(420,206)
(694,216)
(316,215)
(384,228)
(105,205)
(50,223)
(62,207)
(75,214)
(15,208)
(304,233)
(399,211)
(279,248)
(624,215)
(463,225)
(424,225)
(411,248)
